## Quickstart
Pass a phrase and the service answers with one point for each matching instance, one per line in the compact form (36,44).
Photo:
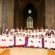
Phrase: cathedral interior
(14,13)
(24,14)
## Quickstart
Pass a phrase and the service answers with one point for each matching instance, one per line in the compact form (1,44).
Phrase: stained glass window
(29,22)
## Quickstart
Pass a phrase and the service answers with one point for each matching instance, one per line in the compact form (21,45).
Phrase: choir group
(42,38)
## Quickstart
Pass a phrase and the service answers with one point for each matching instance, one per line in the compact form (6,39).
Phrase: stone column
(49,13)
(0,16)
(4,14)
(8,13)
(54,13)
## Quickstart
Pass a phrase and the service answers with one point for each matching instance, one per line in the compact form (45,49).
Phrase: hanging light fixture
(29,11)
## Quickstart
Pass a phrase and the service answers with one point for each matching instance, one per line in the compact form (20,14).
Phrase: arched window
(29,22)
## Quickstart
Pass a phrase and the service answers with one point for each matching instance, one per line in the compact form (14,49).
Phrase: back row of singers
(37,31)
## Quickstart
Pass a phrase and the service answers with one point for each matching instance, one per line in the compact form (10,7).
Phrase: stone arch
(39,19)
(33,15)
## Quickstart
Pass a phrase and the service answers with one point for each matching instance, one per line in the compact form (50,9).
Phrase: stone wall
(54,13)
(49,13)
(0,16)
(8,13)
